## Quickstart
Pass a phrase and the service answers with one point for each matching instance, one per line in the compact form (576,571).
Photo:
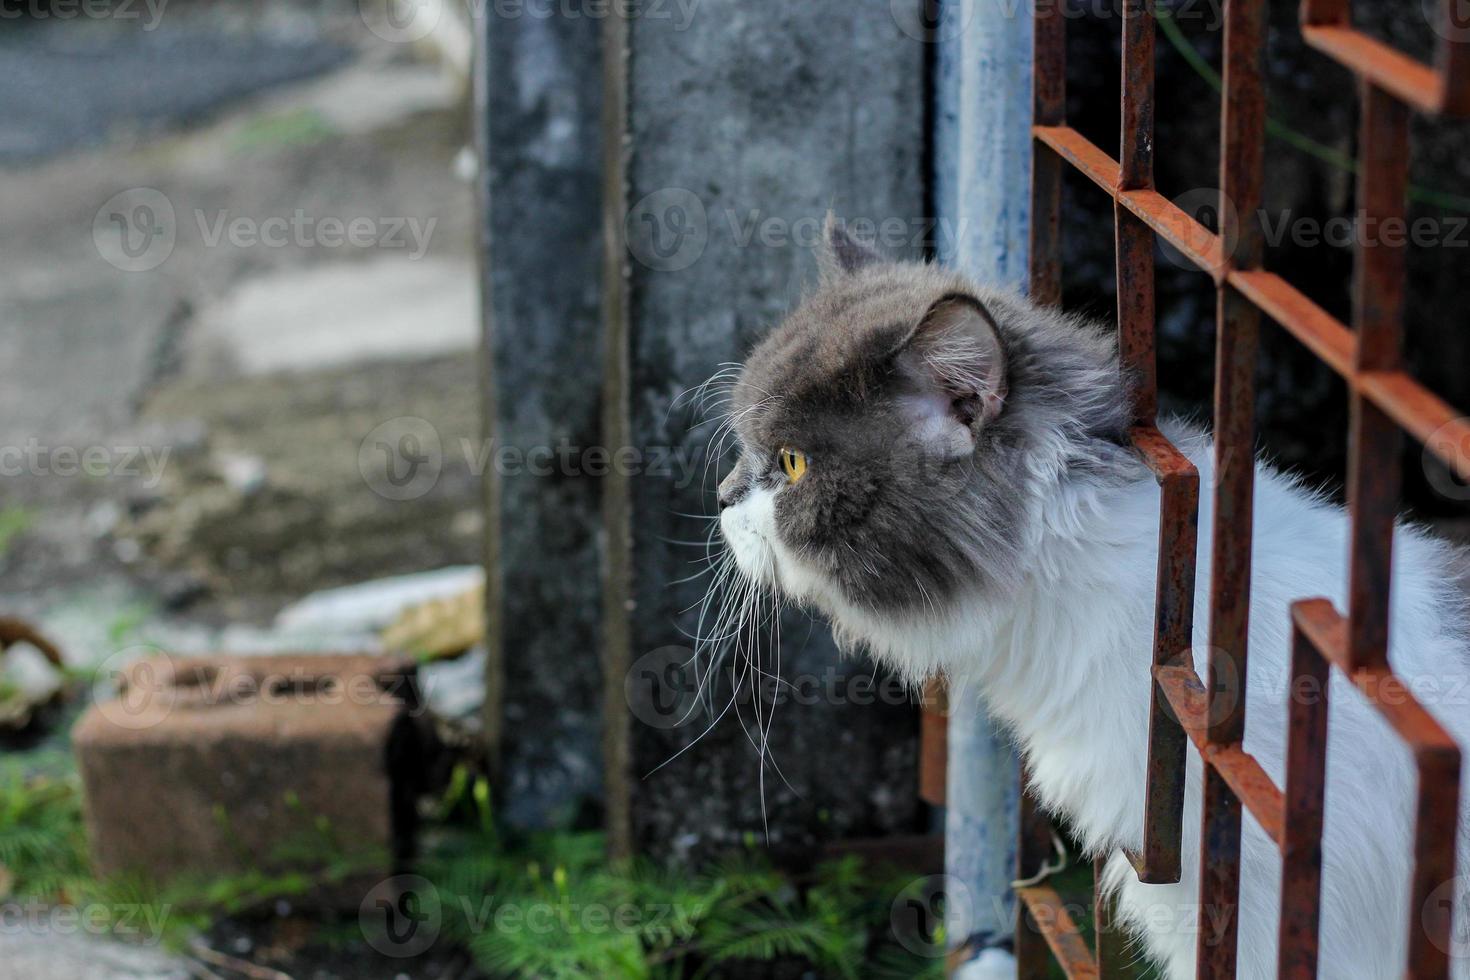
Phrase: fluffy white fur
(1064,662)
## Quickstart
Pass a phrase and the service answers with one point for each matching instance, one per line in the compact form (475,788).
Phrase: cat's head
(899,433)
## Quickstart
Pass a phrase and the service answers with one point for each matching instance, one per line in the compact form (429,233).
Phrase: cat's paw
(991,964)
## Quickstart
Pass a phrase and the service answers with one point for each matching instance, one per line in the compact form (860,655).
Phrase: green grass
(14,521)
(291,128)
(545,905)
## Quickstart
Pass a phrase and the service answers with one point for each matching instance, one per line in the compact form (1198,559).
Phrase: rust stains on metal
(1385,401)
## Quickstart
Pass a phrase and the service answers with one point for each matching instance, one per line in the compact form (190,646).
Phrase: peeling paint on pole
(982,184)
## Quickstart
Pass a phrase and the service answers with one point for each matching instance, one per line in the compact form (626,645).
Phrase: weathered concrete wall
(746,122)
(544,191)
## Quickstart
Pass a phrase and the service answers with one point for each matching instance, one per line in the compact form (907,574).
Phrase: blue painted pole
(982,186)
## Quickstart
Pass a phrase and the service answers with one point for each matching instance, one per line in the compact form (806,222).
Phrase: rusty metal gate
(1385,401)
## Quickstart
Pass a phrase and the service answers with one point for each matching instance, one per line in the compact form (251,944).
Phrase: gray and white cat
(941,470)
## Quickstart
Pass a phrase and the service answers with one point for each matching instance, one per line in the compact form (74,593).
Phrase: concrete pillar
(741,123)
(537,112)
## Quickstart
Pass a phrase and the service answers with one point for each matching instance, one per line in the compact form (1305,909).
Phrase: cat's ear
(952,375)
(840,254)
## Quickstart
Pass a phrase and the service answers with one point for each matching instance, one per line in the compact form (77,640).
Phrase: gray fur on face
(936,416)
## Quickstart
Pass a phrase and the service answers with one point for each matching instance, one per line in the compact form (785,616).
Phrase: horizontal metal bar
(1410,404)
(1240,770)
(1317,330)
(1327,630)
(1422,414)
(1412,82)
(1160,455)
(1193,240)
(1051,918)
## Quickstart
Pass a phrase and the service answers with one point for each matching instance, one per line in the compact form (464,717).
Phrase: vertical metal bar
(1049,88)
(1452,58)
(1324,13)
(1431,904)
(933,743)
(1301,825)
(1242,153)
(1134,244)
(1049,108)
(1033,956)
(1378,301)
(1159,861)
(1136,141)
(1050,64)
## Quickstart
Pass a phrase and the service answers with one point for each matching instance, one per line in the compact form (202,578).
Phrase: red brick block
(212,766)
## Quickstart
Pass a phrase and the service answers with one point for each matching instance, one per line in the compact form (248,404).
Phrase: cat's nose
(732,489)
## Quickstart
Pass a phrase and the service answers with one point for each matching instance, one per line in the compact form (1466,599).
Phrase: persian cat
(942,471)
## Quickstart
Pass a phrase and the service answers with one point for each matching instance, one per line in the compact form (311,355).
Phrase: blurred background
(311,311)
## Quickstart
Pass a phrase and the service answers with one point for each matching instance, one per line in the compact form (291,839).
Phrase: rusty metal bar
(1441,89)
(1437,760)
(1242,159)
(1062,936)
(1243,775)
(1049,88)
(1193,240)
(1158,861)
(934,743)
(1378,310)
(1306,779)
(1136,141)
(1033,848)
(1384,399)
(1379,65)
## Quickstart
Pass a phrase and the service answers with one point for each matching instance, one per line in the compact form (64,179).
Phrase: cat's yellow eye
(793,464)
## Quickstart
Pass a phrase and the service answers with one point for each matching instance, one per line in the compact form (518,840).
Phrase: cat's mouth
(747,529)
